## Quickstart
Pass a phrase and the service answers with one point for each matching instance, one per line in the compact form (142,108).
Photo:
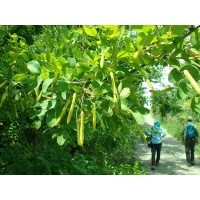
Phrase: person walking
(189,137)
(157,133)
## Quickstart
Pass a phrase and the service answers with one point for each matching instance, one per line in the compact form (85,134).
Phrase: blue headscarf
(157,123)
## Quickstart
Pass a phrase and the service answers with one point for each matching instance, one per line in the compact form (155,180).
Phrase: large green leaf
(122,70)
(62,86)
(194,71)
(148,28)
(125,93)
(143,28)
(185,56)
(173,62)
(46,84)
(129,45)
(90,31)
(175,76)
(105,88)
(37,124)
(183,90)
(50,117)
(195,38)
(113,31)
(180,43)
(71,62)
(175,53)
(156,51)
(19,77)
(147,60)
(178,29)
(124,105)
(84,67)
(142,110)
(34,67)
(96,87)
(44,104)
(62,136)
(138,28)
(144,40)
(195,104)
(52,104)
(138,117)
(123,54)
(35,82)
(120,87)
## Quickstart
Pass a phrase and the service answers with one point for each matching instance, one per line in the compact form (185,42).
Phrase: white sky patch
(158,86)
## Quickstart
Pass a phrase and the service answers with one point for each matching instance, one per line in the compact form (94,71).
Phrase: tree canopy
(86,79)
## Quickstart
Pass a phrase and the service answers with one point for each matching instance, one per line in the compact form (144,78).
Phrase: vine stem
(192,81)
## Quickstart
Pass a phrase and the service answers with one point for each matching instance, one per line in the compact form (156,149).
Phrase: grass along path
(173,157)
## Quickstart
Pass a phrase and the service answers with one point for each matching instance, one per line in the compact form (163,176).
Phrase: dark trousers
(155,153)
(189,150)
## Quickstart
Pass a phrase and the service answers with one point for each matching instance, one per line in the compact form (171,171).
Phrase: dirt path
(172,156)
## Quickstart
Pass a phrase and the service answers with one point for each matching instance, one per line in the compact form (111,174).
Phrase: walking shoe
(192,163)
(159,163)
(153,167)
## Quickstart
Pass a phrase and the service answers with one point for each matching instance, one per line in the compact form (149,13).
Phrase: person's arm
(163,133)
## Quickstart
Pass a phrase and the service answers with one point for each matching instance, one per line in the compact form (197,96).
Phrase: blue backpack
(190,133)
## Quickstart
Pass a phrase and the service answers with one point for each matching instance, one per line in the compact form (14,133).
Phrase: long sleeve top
(185,129)
(157,134)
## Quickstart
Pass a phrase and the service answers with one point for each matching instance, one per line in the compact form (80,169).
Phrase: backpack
(190,133)
(149,141)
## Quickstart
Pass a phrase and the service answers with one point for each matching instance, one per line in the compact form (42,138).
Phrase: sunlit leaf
(125,93)
(34,67)
(90,31)
(124,105)
(61,138)
(19,77)
(113,31)
(183,90)
(46,84)
(71,62)
(195,38)
(37,124)
(195,103)
(122,54)
(138,117)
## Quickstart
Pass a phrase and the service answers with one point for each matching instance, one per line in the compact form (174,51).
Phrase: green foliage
(35,153)
(164,103)
(41,68)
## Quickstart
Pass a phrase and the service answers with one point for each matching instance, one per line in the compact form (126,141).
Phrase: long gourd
(62,113)
(71,108)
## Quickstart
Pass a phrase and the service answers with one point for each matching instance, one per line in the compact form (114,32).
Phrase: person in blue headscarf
(156,143)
